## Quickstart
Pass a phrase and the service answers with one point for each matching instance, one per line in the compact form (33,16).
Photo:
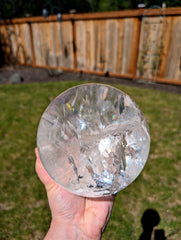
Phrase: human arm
(73,217)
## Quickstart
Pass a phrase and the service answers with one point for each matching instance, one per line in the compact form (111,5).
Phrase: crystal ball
(93,140)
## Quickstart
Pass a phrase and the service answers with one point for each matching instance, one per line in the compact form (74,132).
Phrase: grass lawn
(24,212)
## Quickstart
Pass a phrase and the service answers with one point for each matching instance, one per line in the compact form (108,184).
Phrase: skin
(73,217)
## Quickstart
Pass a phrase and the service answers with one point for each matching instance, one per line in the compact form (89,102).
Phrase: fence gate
(151,44)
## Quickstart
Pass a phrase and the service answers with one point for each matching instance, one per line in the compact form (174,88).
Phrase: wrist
(67,231)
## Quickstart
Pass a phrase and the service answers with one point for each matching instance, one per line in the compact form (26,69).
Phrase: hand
(73,217)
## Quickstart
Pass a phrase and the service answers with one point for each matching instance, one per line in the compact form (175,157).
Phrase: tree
(20,8)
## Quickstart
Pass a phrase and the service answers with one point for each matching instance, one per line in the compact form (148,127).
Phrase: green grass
(24,212)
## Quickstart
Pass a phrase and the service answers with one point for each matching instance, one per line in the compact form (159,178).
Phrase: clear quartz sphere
(93,140)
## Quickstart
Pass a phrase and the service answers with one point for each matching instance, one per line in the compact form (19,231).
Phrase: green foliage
(169,3)
(113,5)
(24,209)
(19,8)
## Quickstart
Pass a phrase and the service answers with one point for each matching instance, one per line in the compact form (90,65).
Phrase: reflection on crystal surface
(93,140)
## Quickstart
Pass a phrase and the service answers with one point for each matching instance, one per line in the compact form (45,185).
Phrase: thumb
(41,172)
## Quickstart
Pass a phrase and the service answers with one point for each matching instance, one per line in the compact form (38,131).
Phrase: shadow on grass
(149,221)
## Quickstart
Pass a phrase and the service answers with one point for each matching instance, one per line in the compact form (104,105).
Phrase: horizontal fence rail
(132,44)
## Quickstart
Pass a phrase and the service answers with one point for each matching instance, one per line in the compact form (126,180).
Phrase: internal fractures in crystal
(93,140)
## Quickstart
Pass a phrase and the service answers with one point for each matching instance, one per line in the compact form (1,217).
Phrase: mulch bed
(30,75)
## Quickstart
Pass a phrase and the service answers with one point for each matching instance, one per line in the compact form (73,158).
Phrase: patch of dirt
(30,75)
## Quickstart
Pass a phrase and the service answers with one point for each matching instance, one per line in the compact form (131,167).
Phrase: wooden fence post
(140,17)
(74,43)
(32,44)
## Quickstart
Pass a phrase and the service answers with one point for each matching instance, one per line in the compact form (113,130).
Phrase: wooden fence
(111,42)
